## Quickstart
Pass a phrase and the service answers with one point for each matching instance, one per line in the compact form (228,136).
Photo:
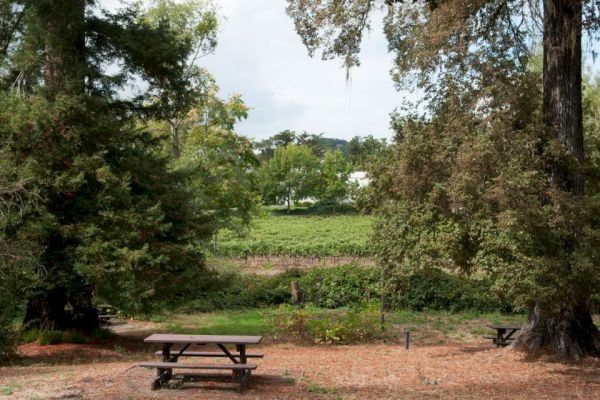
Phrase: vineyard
(307,236)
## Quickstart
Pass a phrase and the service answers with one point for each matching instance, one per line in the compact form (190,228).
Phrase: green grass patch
(9,390)
(341,326)
(249,322)
(50,337)
(301,235)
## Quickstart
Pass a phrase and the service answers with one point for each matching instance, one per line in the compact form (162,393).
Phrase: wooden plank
(214,339)
(505,327)
(173,365)
(214,354)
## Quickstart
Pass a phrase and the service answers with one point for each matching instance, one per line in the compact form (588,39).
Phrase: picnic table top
(504,326)
(216,339)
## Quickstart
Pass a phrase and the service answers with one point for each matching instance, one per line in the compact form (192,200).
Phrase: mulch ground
(473,370)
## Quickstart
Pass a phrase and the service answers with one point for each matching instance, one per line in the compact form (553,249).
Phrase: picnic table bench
(504,334)
(105,313)
(170,357)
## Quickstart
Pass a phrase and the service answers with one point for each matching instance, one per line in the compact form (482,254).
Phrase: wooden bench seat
(210,354)
(104,318)
(165,370)
(171,365)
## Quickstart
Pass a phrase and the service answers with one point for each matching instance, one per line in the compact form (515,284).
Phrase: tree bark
(63,26)
(569,331)
(47,311)
(175,138)
(62,31)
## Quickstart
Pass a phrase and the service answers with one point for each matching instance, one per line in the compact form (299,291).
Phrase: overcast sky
(260,56)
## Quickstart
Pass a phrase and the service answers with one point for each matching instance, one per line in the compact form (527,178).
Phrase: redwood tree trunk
(64,45)
(568,331)
(67,304)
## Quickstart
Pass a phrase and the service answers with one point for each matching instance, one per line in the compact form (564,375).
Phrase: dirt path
(452,371)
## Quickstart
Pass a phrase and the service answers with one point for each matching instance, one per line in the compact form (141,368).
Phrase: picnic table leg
(244,375)
(163,375)
(500,337)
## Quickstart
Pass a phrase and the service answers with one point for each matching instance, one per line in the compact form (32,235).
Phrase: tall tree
(194,22)
(441,44)
(291,175)
(112,220)
(335,172)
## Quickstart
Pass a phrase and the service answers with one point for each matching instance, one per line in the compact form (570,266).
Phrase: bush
(73,337)
(101,334)
(348,286)
(28,336)
(342,286)
(50,337)
(324,327)
(438,290)
(233,290)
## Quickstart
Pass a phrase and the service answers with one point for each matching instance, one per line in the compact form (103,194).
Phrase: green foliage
(334,186)
(74,337)
(362,151)
(343,286)
(223,165)
(233,290)
(50,337)
(291,175)
(29,335)
(317,143)
(436,290)
(300,236)
(347,286)
(454,196)
(19,265)
(324,327)
(101,334)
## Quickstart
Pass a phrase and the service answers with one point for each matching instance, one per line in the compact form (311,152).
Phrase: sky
(260,56)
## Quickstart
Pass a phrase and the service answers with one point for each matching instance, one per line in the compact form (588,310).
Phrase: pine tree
(113,221)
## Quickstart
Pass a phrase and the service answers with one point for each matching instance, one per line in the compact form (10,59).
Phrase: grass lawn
(300,235)
(427,327)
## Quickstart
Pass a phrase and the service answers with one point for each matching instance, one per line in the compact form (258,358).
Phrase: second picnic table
(504,334)
(240,367)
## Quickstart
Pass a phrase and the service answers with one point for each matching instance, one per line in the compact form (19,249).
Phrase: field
(300,235)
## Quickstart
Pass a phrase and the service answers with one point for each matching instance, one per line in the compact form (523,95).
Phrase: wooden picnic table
(504,334)
(239,366)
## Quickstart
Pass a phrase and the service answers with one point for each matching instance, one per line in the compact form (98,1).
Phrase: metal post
(406,339)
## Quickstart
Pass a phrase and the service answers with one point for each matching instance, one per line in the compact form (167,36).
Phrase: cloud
(261,56)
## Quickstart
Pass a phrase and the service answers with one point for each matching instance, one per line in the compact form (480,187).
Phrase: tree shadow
(117,348)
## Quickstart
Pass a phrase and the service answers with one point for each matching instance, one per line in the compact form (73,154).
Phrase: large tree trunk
(68,304)
(568,331)
(47,311)
(63,22)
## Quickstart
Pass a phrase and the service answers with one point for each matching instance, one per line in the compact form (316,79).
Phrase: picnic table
(105,313)
(170,356)
(504,334)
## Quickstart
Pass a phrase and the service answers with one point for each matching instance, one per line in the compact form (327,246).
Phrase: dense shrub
(231,290)
(18,270)
(438,290)
(349,286)
(50,337)
(340,286)
(327,327)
